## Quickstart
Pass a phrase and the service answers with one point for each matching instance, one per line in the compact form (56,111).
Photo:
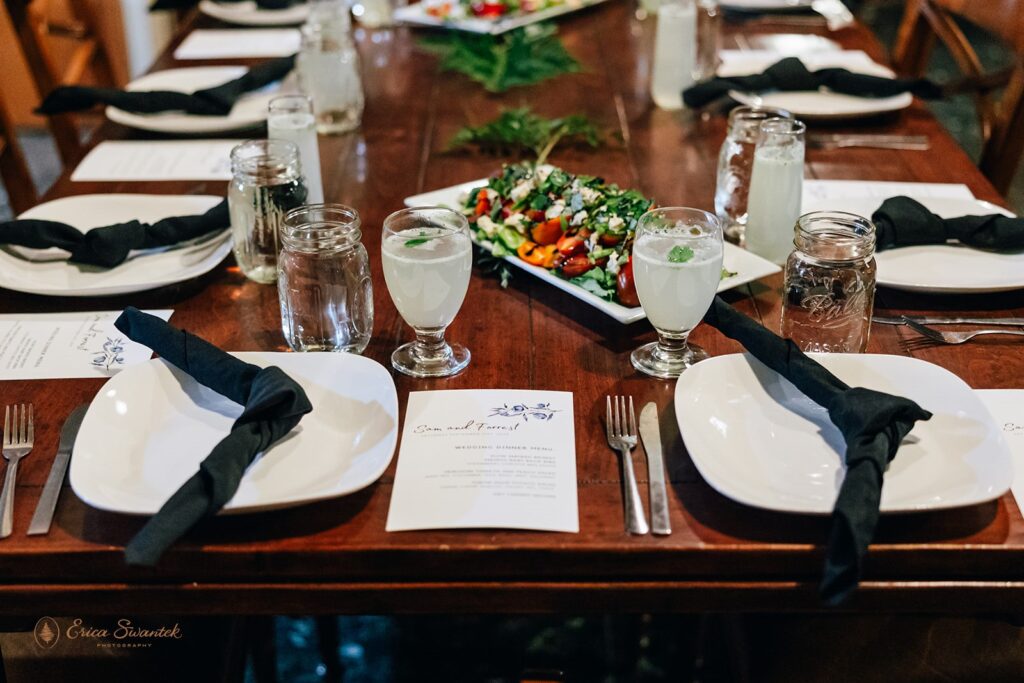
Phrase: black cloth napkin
(872,423)
(215,101)
(185,4)
(791,74)
(109,246)
(904,222)
(274,404)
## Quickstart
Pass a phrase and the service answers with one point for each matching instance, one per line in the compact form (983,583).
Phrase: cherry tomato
(535,215)
(625,287)
(576,266)
(609,240)
(489,9)
(570,245)
(548,232)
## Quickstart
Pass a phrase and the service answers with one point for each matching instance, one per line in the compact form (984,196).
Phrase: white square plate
(758,440)
(416,14)
(250,14)
(151,425)
(250,110)
(47,271)
(747,266)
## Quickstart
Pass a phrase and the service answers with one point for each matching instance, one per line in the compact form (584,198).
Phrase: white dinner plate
(250,111)
(939,268)
(151,425)
(747,266)
(758,440)
(815,104)
(765,5)
(249,14)
(416,14)
(47,272)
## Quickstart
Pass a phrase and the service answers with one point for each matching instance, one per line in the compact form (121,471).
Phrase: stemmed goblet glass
(427,256)
(677,265)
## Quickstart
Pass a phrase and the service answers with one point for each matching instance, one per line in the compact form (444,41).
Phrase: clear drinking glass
(266,184)
(290,117)
(328,68)
(677,265)
(323,280)
(427,257)
(776,189)
(735,162)
(709,31)
(829,289)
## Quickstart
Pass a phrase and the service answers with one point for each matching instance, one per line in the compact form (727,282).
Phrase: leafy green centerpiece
(524,56)
(520,132)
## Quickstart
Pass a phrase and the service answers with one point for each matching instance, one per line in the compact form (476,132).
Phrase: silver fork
(953,337)
(622,437)
(18,437)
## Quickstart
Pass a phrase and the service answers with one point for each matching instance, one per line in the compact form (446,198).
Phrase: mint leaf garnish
(680,254)
(416,241)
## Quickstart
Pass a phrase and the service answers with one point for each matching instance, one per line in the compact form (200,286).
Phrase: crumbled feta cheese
(590,195)
(542,172)
(487,225)
(515,221)
(592,241)
(491,195)
(613,266)
(555,210)
(521,190)
(614,223)
(578,218)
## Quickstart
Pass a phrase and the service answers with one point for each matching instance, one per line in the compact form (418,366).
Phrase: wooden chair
(21,191)
(925,21)
(37,35)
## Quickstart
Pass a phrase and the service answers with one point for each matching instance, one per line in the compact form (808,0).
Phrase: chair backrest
(37,34)
(924,21)
(21,191)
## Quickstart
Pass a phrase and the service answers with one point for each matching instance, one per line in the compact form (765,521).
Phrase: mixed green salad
(578,227)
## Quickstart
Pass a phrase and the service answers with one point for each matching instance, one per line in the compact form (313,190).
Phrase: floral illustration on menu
(110,355)
(541,411)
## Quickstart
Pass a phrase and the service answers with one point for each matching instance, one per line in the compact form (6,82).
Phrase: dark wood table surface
(336,557)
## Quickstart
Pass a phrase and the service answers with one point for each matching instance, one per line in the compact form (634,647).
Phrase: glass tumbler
(829,289)
(776,189)
(735,162)
(266,183)
(290,117)
(677,265)
(323,280)
(427,257)
(328,68)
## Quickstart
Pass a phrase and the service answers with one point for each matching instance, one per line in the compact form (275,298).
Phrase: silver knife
(651,434)
(48,500)
(932,320)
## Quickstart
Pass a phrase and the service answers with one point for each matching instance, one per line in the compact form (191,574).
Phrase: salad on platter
(577,227)
(491,9)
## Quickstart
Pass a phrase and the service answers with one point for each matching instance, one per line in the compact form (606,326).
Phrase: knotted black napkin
(791,74)
(872,423)
(185,4)
(109,246)
(215,101)
(274,404)
(904,222)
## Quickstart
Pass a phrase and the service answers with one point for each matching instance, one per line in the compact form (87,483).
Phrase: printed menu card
(63,345)
(1007,407)
(494,458)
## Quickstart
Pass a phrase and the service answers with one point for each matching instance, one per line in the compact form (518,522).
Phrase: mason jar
(324,280)
(829,289)
(266,183)
(735,163)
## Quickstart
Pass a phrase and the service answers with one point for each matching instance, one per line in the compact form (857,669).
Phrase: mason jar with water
(266,184)
(324,283)
(829,290)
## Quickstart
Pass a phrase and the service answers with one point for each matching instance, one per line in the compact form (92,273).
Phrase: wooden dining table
(336,557)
